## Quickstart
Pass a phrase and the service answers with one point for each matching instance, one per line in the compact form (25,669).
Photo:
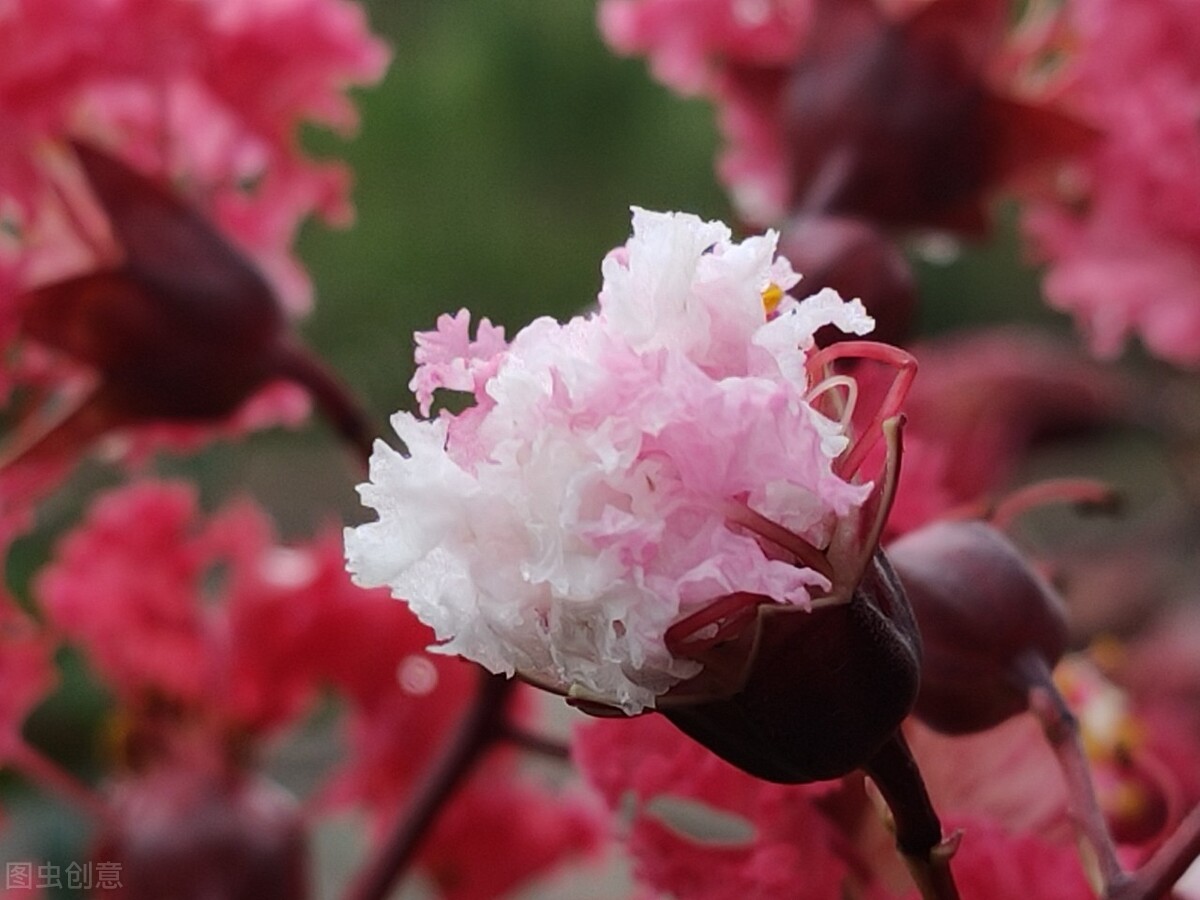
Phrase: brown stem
(332,396)
(536,743)
(1062,731)
(480,728)
(1155,878)
(918,830)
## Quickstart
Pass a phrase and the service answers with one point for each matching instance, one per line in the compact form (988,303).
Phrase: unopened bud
(990,625)
(817,693)
(184,328)
(193,835)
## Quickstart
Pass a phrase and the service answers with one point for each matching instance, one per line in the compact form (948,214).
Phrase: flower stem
(331,395)
(480,728)
(918,830)
(535,743)
(1165,867)
(1062,731)
(1085,493)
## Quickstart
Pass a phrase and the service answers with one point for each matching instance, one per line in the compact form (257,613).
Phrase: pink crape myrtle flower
(211,615)
(687,41)
(505,829)
(683,37)
(614,472)
(140,622)
(1122,237)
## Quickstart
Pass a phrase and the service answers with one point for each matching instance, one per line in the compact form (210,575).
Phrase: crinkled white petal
(559,527)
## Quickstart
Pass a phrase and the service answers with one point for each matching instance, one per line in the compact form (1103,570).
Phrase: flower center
(772,296)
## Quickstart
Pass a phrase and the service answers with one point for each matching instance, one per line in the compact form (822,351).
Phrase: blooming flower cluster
(560,525)
(212,636)
(1122,237)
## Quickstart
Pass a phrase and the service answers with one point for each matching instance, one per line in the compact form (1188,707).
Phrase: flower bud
(819,692)
(184,328)
(892,118)
(187,834)
(991,627)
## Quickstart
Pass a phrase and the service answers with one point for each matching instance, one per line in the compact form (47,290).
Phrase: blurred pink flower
(685,39)
(561,525)
(27,672)
(200,103)
(210,615)
(126,586)
(210,93)
(703,829)
(1122,236)
(213,636)
(994,863)
(699,827)
(903,113)
(982,400)
(504,829)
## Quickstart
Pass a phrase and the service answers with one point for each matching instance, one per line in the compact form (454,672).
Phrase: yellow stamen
(772,296)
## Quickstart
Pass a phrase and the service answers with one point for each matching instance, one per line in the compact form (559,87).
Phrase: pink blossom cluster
(134,129)
(559,525)
(207,94)
(792,82)
(213,637)
(1122,237)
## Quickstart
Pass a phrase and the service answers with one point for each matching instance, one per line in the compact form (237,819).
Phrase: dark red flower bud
(857,260)
(818,692)
(182,329)
(893,119)
(991,626)
(193,835)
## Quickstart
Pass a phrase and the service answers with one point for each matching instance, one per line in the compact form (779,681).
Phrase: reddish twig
(918,830)
(479,730)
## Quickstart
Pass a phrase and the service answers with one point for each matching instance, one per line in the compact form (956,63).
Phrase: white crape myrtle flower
(609,477)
